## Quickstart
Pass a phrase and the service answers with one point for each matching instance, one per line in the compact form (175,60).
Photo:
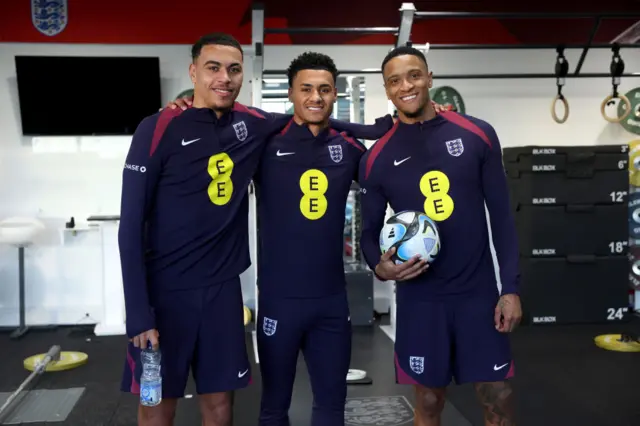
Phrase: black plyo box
(569,158)
(567,175)
(552,231)
(575,289)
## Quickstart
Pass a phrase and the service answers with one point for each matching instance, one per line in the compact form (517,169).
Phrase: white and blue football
(411,233)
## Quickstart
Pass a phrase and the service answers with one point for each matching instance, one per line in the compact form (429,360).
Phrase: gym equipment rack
(408,14)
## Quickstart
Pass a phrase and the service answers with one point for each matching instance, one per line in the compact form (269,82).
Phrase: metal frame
(585,50)
(403,33)
(407,13)
(597,17)
(522,15)
(630,35)
(471,76)
(257,44)
(330,30)
(355,94)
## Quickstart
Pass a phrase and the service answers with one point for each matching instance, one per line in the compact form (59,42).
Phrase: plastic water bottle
(151,380)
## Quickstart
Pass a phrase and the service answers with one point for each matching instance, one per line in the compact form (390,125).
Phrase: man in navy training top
(302,187)
(183,235)
(451,319)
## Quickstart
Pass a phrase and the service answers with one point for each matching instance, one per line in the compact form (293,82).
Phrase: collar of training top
(207,115)
(302,131)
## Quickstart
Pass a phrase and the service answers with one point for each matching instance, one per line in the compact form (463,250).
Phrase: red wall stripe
(155,22)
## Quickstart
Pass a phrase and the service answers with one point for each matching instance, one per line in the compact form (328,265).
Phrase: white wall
(83,177)
(520,109)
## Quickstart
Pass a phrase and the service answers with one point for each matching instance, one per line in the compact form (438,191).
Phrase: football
(411,233)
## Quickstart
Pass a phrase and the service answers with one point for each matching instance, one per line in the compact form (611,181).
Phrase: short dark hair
(312,61)
(222,39)
(403,50)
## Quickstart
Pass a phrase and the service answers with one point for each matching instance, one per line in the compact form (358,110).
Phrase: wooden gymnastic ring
(553,109)
(622,98)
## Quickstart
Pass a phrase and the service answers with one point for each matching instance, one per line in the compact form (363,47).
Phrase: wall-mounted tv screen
(86,95)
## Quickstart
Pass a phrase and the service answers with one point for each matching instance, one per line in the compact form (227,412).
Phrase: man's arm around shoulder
(274,122)
(374,131)
(364,131)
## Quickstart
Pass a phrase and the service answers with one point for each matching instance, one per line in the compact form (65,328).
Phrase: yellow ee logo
(438,205)
(314,185)
(221,187)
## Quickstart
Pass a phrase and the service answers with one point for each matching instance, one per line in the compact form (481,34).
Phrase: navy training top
(448,168)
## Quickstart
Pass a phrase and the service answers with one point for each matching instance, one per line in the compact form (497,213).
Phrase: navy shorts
(455,339)
(320,328)
(201,330)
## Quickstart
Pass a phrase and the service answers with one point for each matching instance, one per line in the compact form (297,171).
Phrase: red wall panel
(182,22)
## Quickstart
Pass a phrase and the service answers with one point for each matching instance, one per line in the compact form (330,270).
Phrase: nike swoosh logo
(241,375)
(280,154)
(397,163)
(185,143)
(496,368)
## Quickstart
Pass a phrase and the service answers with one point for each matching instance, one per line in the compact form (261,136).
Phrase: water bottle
(151,380)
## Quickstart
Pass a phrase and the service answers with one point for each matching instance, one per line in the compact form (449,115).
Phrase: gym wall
(56,178)
(520,109)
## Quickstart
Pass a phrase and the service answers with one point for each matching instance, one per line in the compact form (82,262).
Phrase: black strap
(562,70)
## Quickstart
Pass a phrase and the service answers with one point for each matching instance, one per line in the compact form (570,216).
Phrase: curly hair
(311,61)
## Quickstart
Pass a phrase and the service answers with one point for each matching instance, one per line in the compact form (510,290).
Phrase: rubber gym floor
(562,378)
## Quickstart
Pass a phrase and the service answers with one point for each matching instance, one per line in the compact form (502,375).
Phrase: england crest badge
(241,131)
(269,326)
(417,364)
(49,16)
(455,147)
(335,152)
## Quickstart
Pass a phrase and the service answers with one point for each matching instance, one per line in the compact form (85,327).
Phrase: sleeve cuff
(141,324)
(378,276)
(509,290)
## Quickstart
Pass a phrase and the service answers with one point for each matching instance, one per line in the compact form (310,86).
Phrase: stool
(20,232)
(22,327)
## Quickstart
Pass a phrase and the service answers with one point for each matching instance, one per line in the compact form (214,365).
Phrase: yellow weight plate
(634,162)
(634,156)
(247,315)
(68,361)
(614,342)
(634,144)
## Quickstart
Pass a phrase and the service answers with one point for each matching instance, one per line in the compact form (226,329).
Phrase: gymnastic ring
(553,109)
(622,98)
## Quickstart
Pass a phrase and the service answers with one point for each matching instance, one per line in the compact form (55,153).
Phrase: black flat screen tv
(86,95)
